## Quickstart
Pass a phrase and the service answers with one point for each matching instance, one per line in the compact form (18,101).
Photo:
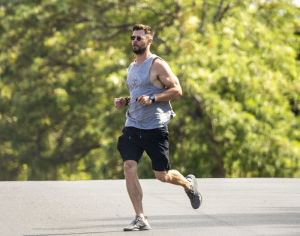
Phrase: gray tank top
(138,82)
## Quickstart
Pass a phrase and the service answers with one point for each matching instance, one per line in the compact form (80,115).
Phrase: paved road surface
(233,207)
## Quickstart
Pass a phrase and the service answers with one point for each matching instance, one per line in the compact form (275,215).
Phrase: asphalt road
(233,207)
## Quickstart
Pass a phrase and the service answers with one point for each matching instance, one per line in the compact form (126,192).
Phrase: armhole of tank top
(154,59)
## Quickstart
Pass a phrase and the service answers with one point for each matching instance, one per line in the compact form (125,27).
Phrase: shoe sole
(137,229)
(195,183)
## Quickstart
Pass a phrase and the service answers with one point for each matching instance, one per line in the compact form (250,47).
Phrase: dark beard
(139,51)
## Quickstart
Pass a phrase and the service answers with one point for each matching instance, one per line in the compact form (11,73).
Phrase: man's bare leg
(133,186)
(189,184)
(173,177)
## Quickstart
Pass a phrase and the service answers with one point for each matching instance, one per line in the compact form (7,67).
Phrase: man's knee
(130,167)
(162,176)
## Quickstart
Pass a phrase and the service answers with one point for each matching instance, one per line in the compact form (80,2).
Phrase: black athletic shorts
(133,142)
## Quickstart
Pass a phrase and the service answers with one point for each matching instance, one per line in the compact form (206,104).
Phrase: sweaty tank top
(152,116)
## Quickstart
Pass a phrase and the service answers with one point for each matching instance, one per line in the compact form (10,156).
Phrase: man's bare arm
(169,80)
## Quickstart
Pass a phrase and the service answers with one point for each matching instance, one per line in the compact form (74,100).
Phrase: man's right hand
(119,103)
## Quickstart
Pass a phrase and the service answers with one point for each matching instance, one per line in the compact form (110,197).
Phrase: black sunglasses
(138,38)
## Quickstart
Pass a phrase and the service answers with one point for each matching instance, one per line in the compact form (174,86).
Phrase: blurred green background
(62,62)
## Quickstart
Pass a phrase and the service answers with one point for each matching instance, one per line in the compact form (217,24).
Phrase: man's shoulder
(130,66)
(158,62)
(160,65)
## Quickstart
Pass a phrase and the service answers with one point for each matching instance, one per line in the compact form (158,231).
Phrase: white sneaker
(139,223)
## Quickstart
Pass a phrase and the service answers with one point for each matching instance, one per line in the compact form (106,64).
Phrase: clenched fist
(119,102)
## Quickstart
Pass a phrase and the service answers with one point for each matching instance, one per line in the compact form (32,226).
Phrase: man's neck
(139,59)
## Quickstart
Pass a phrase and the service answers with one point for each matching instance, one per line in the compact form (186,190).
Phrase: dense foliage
(62,62)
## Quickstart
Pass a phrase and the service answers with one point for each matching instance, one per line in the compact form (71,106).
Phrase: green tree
(63,61)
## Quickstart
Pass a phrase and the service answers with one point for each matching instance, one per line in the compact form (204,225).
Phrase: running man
(152,85)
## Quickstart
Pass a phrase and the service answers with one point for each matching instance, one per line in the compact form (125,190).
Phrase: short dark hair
(147,29)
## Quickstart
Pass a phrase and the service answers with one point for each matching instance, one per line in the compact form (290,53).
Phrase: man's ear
(150,40)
